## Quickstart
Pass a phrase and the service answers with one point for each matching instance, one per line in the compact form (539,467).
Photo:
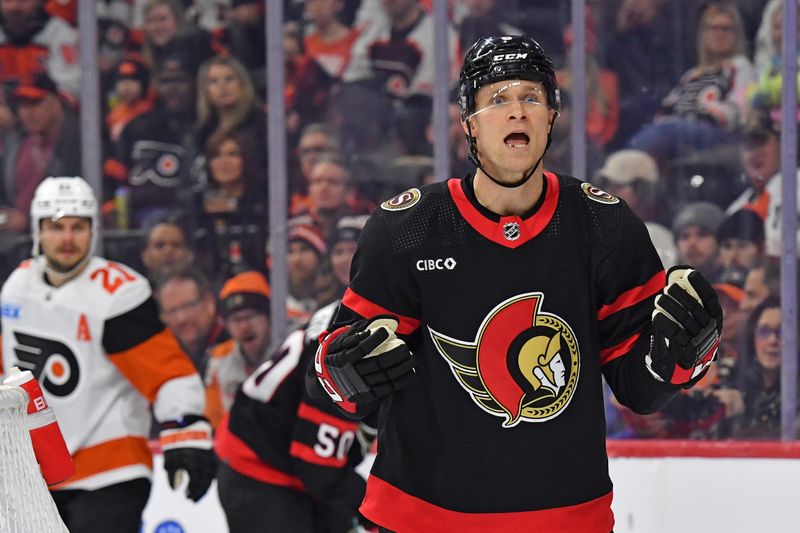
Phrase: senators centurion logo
(523,364)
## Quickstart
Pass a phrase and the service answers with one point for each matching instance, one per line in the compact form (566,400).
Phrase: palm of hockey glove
(187,448)
(687,325)
(362,362)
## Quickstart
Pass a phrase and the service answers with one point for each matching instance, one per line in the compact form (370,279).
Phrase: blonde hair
(246,104)
(704,56)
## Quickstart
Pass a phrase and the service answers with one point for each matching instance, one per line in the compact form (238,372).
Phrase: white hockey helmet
(63,196)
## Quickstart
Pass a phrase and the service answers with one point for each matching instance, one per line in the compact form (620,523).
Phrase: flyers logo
(523,364)
(52,362)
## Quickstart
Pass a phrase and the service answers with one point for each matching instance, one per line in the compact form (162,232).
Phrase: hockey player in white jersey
(88,329)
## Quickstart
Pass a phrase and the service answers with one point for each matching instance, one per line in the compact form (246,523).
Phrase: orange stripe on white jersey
(153,362)
(108,456)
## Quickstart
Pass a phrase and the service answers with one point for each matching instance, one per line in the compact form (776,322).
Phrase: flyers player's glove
(187,448)
(687,324)
(363,362)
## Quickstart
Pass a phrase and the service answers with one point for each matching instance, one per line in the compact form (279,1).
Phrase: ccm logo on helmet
(509,57)
(424,265)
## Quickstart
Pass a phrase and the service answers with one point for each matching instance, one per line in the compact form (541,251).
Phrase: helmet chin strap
(473,156)
(57,276)
(60,277)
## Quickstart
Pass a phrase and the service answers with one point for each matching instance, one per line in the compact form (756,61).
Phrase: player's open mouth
(517,140)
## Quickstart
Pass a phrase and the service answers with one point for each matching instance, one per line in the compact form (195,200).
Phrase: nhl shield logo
(511,231)
(522,366)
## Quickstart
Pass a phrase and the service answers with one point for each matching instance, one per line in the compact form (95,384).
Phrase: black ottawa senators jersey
(511,321)
(277,434)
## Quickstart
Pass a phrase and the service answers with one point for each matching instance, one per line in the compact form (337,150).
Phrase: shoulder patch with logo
(404,200)
(598,195)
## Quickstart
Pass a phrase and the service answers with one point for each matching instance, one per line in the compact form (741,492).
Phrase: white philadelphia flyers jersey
(101,354)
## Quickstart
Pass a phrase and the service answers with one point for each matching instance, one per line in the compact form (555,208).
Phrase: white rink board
(168,511)
(651,495)
(701,495)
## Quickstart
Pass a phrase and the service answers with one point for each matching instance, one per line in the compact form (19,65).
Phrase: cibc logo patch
(424,265)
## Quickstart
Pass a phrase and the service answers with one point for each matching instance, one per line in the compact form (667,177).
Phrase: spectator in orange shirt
(602,100)
(331,41)
(244,301)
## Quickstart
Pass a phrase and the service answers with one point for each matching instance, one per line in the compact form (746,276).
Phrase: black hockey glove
(687,324)
(188,451)
(364,361)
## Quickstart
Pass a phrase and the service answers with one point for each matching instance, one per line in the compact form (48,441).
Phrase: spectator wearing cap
(307,248)
(335,273)
(633,176)
(48,144)
(761,160)
(695,229)
(731,294)
(153,155)
(244,300)
(741,240)
(131,86)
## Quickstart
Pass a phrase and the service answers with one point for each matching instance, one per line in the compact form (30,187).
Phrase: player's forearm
(633,385)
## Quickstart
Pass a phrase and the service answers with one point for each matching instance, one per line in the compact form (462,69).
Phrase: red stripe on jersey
(394,509)
(241,458)
(314,415)
(368,309)
(494,230)
(609,354)
(306,453)
(634,296)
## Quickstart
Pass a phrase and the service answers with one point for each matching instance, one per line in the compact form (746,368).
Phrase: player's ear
(473,124)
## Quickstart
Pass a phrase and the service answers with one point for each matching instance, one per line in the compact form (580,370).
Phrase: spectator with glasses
(761,388)
(315,140)
(189,309)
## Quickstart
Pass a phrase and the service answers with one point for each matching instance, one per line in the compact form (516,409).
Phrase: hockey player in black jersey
(288,459)
(482,313)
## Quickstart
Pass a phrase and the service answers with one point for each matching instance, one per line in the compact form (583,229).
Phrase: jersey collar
(508,231)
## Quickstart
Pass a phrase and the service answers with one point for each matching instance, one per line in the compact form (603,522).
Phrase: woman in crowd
(761,377)
(705,108)
(232,206)
(226,104)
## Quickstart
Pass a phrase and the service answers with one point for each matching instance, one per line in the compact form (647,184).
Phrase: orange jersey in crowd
(332,56)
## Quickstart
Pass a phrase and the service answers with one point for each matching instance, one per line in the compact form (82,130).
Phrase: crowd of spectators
(683,123)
